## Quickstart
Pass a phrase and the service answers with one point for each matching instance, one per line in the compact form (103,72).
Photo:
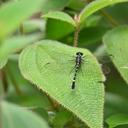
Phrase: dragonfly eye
(79,53)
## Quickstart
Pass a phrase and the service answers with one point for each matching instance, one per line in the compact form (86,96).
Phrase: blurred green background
(19,91)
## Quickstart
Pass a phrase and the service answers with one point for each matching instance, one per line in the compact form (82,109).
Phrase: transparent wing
(60,67)
(81,73)
(56,68)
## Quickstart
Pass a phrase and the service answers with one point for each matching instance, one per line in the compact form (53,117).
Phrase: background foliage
(34,33)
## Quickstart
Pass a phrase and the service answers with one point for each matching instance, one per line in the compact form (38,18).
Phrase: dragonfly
(78,62)
(66,69)
(71,66)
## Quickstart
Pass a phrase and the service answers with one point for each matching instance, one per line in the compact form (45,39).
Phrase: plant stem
(109,18)
(1,114)
(14,82)
(1,95)
(88,1)
(54,103)
(77,30)
(21,29)
(3,84)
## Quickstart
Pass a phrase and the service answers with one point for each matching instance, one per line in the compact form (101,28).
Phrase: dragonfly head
(79,53)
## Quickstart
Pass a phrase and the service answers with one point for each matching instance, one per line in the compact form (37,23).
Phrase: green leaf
(3,63)
(34,25)
(91,35)
(60,16)
(47,64)
(52,5)
(61,118)
(14,116)
(53,24)
(24,89)
(97,5)
(116,120)
(13,13)
(14,44)
(114,103)
(76,5)
(116,42)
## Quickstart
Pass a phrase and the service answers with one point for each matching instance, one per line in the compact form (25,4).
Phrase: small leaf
(13,13)
(60,16)
(116,42)
(116,120)
(14,44)
(14,116)
(47,64)
(95,6)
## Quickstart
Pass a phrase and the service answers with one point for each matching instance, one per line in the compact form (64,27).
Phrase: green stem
(21,29)
(88,1)
(4,81)
(109,18)
(2,84)
(12,78)
(1,115)
(55,105)
(1,95)
(77,30)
